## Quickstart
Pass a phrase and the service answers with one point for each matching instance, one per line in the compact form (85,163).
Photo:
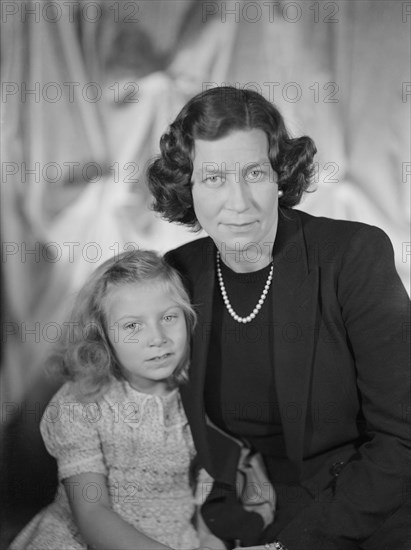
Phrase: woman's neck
(246,261)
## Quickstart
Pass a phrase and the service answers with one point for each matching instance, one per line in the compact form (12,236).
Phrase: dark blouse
(240,394)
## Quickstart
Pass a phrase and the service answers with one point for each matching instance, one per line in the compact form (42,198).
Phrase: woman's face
(235,192)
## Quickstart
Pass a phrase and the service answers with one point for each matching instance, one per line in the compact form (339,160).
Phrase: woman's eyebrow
(213,168)
(257,164)
(209,168)
(205,171)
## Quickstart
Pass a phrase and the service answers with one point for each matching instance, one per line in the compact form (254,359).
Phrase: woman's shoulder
(191,247)
(335,244)
(322,228)
(192,255)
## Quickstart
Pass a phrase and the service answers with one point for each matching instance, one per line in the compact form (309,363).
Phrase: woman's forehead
(242,146)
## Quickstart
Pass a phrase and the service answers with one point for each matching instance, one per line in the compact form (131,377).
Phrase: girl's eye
(134,326)
(214,181)
(170,318)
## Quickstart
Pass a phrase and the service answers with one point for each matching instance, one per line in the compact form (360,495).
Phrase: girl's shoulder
(71,405)
(69,390)
(70,400)
(74,391)
(71,430)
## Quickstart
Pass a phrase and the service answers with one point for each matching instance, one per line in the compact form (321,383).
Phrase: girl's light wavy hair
(85,354)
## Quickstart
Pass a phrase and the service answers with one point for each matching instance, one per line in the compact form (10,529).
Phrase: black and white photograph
(205,275)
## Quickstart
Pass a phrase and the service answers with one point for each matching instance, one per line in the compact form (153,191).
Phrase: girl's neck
(160,389)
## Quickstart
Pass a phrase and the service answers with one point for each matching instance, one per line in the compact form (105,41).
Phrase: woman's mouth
(240,227)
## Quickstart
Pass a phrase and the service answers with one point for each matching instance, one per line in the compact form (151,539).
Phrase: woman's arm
(206,537)
(100,526)
(372,486)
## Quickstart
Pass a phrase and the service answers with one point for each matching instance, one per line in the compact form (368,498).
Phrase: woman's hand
(206,537)
(269,546)
(211,542)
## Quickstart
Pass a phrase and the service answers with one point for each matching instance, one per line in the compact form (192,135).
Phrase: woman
(301,346)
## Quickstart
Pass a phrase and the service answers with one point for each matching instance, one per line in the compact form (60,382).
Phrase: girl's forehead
(127,289)
(140,295)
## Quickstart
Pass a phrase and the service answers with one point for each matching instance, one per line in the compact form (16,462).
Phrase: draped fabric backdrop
(89,87)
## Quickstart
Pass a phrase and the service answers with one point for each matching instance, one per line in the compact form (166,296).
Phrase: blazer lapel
(295,307)
(219,453)
(202,269)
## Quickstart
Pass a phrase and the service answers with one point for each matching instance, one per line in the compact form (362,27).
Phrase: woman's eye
(255,175)
(213,181)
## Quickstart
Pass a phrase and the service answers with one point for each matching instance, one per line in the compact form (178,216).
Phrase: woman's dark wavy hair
(212,115)
(86,354)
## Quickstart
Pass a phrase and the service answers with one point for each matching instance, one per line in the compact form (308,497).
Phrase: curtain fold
(337,71)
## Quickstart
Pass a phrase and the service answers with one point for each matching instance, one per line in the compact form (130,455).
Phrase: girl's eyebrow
(171,308)
(130,316)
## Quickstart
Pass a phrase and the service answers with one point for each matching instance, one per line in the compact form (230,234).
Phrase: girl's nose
(157,336)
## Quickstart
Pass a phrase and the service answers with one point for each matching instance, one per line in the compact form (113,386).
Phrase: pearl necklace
(227,301)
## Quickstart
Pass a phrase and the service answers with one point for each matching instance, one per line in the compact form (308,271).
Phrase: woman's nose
(237,196)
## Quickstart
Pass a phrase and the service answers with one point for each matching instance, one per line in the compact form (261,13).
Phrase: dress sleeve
(70,433)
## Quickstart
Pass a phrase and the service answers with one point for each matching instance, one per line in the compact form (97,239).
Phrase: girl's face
(148,332)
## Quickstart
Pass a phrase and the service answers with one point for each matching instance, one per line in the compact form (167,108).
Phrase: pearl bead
(227,302)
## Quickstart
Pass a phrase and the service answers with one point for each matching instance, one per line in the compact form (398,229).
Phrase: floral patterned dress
(142,444)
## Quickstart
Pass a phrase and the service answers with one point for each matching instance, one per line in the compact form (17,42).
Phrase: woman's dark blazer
(341,345)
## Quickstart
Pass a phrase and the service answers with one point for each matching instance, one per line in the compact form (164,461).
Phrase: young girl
(117,427)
